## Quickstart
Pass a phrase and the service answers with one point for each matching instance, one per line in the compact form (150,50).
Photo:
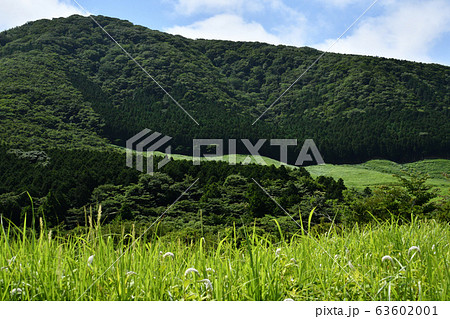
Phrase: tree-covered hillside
(65,83)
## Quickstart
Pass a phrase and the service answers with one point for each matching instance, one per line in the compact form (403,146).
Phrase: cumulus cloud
(231,20)
(226,27)
(17,12)
(408,30)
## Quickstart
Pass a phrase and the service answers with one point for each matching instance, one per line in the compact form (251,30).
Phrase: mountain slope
(65,83)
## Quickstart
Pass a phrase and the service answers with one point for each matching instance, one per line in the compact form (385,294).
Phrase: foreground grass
(340,265)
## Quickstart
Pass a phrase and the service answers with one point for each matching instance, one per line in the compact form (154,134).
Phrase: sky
(416,30)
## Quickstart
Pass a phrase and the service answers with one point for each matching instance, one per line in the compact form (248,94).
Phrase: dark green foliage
(65,83)
(411,198)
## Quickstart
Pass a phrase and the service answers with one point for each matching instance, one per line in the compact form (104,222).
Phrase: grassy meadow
(359,176)
(342,264)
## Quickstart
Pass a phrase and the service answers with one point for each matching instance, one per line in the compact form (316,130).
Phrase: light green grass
(380,172)
(340,265)
(359,176)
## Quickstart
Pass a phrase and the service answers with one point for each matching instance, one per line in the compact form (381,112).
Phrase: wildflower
(90,260)
(413,248)
(278,251)
(288,299)
(131,273)
(387,258)
(189,270)
(168,254)
(16,291)
(210,269)
(208,284)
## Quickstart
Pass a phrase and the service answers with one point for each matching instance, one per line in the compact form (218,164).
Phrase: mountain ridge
(356,108)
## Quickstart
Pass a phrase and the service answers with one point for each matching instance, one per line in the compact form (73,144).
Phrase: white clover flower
(16,291)
(413,248)
(277,252)
(208,284)
(131,273)
(168,254)
(189,270)
(210,270)
(387,258)
(90,260)
(288,299)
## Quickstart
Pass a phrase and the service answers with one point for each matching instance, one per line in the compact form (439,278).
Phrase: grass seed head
(189,270)
(387,258)
(131,273)
(413,248)
(208,284)
(10,261)
(90,260)
(351,265)
(168,254)
(16,291)
(277,252)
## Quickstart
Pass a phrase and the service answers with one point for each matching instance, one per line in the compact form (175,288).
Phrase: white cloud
(17,12)
(188,7)
(408,31)
(226,27)
(339,3)
(229,20)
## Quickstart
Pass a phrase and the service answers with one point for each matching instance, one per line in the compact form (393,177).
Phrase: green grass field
(380,172)
(339,265)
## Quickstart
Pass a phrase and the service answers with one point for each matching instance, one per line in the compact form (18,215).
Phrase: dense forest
(64,83)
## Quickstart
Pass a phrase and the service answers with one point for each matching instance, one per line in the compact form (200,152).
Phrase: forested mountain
(64,83)
(67,92)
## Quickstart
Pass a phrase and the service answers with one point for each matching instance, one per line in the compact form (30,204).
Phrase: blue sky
(417,30)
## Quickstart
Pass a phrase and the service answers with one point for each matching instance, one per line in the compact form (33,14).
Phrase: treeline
(65,80)
(65,187)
